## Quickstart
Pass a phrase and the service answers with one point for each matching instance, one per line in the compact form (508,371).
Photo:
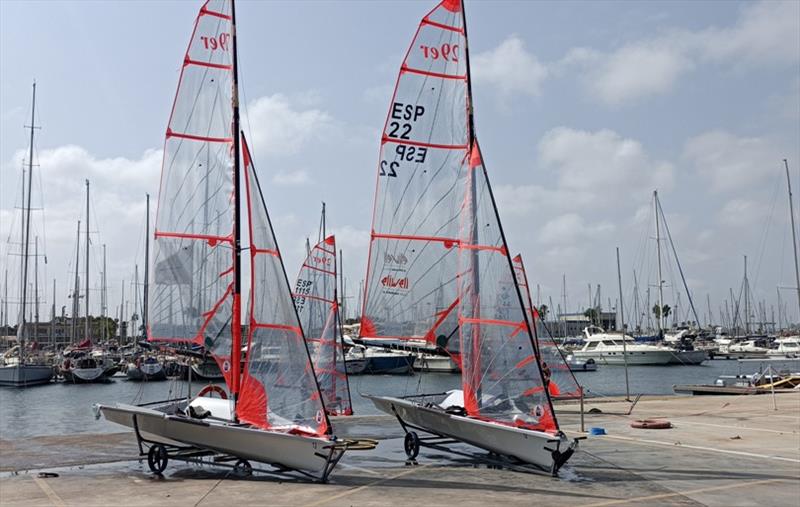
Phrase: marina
(733,451)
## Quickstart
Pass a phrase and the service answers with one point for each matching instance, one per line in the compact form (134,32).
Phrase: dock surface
(722,451)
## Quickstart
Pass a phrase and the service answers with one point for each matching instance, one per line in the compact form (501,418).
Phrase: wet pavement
(726,451)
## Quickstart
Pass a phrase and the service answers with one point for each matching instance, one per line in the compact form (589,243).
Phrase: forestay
(279,389)
(501,377)
(410,290)
(563,383)
(192,284)
(315,297)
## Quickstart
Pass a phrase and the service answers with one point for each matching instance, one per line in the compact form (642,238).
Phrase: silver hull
(25,376)
(438,364)
(525,445)
(660,357)
(309,454)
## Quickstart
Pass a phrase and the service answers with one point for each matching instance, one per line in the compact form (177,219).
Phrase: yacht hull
(659,357)
(25,376)
(309,454)
(532,447)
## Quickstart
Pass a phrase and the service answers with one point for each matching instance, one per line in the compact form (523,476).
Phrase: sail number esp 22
(402,119)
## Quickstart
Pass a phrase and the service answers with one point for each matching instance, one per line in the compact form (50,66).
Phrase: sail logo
(394,283)
(399,259)
(219,42)
(319,259)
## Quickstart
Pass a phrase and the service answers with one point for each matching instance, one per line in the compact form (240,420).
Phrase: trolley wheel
(411,444)
(157,458)
(242,468)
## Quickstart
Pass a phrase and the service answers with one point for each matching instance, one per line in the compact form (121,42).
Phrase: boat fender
(651,424)
(456,410)
(211,388)
(47,475)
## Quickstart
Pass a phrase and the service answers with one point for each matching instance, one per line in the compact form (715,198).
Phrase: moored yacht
(619,349)
(788,346)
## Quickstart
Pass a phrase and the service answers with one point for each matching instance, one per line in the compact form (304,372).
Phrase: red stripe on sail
(209,12)
(193,137)
(429,336)
(495,322)
(264,251)
(448,242)
(528,360)
(412,70)
(426,21)
(184,235)
(221,66)
(499,249)
(309,266)
(284,327)
(407,142)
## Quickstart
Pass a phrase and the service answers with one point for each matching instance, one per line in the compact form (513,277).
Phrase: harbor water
(62,408)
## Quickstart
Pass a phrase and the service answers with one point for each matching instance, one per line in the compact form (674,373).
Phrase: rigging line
(765,229)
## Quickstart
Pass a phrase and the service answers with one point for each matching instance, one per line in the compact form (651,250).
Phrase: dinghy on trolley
(273,411)
(440,267)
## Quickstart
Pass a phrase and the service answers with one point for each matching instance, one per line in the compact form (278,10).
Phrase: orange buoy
(651,424)
(211,388)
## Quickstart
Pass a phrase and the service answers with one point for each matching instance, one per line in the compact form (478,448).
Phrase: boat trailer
(159,453)
(437,441)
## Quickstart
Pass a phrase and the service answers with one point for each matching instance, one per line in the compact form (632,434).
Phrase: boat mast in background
(145,302)
(76,290)
(86,294)
(621,306)
(794,235)
(26,215)
(660,278)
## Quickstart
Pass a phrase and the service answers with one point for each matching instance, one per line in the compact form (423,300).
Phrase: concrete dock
(723,450)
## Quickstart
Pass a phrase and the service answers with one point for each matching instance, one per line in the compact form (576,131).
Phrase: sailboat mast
(26,242)
(76,290)
(621,306)
(660,279)
(103,298)
(53,319)
(746,300)
(145,298)
(86,282)
(794,233)
(36,288)
(236,343)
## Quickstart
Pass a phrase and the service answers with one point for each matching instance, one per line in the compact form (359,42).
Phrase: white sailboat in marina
(25,369)
(439,266)
(273,411)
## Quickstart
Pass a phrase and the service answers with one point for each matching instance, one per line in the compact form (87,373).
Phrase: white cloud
(742,213)
(510,68)
(280,128)
(766,33)
(571,228)
(731,163)
(601,166)
(299,177)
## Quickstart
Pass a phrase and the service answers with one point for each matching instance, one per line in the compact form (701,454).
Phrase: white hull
(689,357)
(434,363)
(276,448)
(654,357)
(84,375)
(525,445)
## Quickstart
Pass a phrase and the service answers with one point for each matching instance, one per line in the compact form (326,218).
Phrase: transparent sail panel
(563,383)
(501,378)
(317,308)
(191,287)
(279,388)
(410,288)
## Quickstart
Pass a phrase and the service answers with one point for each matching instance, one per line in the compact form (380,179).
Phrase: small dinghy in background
(439,260)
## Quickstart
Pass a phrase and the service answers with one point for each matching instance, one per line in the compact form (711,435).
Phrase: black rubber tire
(157,458)
(243,468)
(411,445)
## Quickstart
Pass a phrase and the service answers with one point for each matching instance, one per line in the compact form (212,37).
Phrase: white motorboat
(749,346)
(788,346)
(576,364)
(435,363)
(608,349)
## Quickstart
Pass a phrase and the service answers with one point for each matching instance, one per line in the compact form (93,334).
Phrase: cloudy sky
(582,108)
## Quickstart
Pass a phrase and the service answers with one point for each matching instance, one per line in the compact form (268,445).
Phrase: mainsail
(501,375)
(279,388)
(410,290)
(563,383)
(191,296)
(315,298)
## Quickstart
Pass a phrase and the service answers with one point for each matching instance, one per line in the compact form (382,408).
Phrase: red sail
(279,389)
(501,377)
(315,298)
(191,293)
(563,383)
(410,290)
